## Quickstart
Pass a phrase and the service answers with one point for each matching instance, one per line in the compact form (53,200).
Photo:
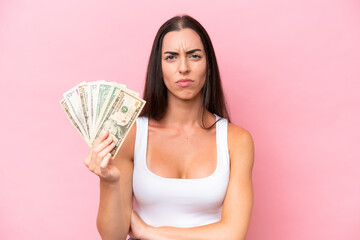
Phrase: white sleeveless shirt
(176,202)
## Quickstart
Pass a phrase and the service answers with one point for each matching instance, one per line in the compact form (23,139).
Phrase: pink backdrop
(291,73)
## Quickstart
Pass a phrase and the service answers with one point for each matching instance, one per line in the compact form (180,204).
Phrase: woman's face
(183,61)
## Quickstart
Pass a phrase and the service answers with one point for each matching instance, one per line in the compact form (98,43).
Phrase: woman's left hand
(138,226)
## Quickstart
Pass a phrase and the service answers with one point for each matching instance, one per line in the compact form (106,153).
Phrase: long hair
(155,92)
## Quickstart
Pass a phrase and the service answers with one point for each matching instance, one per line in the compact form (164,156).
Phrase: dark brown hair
(155,92)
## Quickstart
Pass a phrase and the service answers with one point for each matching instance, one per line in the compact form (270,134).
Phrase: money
(96,106)
(84,96)
(109,101)
(92,102)
(72,100)
(120,117)
(104,90)
(67,111)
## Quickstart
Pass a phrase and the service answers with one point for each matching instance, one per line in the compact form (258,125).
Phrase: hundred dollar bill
(108,102)
(72,120)
(121,117)
(93,96)
(84,97)
(72,99)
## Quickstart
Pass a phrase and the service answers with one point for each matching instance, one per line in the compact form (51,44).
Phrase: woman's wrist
(109,184)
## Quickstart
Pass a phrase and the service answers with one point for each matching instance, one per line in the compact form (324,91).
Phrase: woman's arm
(113,215)
(237,206)
(113,220)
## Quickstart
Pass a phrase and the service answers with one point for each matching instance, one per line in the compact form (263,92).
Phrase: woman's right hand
(98,160)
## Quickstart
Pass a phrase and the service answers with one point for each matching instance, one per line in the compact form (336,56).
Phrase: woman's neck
(183,113)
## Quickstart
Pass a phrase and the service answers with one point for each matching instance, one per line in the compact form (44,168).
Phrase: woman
(188,169)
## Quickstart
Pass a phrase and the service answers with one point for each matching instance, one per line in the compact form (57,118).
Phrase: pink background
(291,73)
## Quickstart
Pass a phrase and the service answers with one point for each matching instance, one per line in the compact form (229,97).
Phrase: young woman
(183,172)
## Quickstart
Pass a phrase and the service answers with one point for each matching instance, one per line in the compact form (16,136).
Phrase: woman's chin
(186,96)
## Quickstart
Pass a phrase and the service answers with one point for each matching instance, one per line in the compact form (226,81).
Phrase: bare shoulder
(126,150)
(241,145)
(239,136)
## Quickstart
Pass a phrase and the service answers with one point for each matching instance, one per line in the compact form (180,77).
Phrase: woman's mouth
(184,82)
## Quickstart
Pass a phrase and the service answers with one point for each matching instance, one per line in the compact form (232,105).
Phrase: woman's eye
(195,56)
(170,57)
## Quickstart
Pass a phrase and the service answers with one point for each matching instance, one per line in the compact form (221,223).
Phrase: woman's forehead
(185,39)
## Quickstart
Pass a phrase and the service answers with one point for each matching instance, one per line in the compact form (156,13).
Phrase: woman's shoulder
(239,138)
(241,150)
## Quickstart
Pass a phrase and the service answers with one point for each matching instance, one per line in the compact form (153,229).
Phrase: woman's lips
(184,82)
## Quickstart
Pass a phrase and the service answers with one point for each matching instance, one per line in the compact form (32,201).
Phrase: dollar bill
(105,89)
(133,92)
(72,100)
(93,96)
(72,120)
(109,102)
(120,117)
(84,97)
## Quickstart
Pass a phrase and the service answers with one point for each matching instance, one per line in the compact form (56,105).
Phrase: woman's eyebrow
(192,51)
(188,52)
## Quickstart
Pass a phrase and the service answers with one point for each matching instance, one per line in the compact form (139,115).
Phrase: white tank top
(176,202)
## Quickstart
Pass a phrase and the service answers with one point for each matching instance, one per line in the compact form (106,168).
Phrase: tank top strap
(222,143)
(141,139)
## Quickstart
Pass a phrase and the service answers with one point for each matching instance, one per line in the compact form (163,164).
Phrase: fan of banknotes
(96,106)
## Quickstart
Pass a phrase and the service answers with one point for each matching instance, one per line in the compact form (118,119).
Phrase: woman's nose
(183,66)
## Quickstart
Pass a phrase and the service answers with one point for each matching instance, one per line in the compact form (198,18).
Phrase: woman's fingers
(88,159)
(97,150)
(100,147)
(99,157)
(100,160)
(105,147)
(101,137)
(105,161)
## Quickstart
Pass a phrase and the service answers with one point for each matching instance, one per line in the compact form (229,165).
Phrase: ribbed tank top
(176,202)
